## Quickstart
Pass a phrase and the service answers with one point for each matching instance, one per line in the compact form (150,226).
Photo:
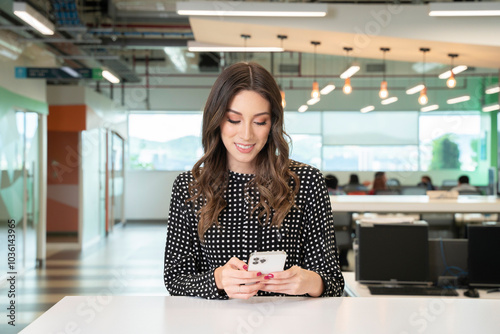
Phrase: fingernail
(269,276)
(259,273)
(245,267)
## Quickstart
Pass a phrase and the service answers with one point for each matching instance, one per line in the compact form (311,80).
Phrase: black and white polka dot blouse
(306,235)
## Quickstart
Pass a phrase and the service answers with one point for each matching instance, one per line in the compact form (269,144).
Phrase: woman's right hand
(233,276)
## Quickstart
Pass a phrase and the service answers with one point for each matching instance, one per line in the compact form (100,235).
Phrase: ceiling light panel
(237,8)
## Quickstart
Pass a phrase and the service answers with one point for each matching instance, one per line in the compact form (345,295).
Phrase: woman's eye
(261,123)
(232,121)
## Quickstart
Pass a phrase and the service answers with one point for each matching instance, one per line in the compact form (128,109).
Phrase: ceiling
(123,34)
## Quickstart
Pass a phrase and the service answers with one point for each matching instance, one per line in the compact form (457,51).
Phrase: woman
(246,195)
(379,183)
(354,185)
(426,182)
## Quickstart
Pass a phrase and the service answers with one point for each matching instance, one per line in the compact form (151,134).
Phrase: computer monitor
(396,253)
(484,255)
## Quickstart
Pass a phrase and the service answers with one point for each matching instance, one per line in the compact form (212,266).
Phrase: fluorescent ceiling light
(456,70)
(464,9)
(389,100)
(493,89)
(237,8)
(110,77)
(350,72)
(429,108)
(327,89)
(415,89)
(313,101)
(29,15)
(204,47)
(70,71)
(367,109)
(7,53)
(491,107)
(303,108)
(458,99)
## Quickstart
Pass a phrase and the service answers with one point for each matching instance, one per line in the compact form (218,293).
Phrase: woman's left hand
(294,281)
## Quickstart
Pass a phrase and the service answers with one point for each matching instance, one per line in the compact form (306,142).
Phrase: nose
(246,132)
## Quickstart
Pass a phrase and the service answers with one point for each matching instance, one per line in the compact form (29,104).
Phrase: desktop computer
(395,253)
(448,262)
(396,257)
(484,255)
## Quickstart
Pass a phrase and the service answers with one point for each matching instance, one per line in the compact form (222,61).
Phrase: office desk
(158,314)
(355,289)
(415,204)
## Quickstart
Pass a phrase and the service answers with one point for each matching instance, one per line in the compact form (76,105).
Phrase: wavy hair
(272,177)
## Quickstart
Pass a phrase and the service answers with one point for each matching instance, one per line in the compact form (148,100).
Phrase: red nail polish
(245,267)
(259,273)
(269,276)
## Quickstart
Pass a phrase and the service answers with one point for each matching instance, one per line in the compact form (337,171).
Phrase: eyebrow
(259,114)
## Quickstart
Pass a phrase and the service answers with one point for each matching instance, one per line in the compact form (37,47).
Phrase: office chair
(387,192)
(470,192)
(413,191)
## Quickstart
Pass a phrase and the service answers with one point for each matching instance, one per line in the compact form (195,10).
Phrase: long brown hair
(272,175)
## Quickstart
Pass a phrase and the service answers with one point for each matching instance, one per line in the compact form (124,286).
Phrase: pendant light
(383,93)
(451,82)
(423,99)
(245,37)
(315,88)
(283,101)
(346,75)
(347,89)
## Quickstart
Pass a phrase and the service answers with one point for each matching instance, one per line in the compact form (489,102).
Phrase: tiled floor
(128,262)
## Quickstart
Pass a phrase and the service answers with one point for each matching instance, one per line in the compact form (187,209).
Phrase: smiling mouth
(244,147)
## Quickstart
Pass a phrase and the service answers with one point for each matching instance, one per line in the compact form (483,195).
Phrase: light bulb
(383,93)
(451,82)
(283,102)
(315,90)
(347,89)
(422,99)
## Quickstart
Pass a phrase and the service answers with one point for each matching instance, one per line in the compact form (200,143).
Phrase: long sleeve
(186,274)
(320,249)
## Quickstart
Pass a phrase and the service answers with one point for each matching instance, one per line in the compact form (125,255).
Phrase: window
(331,141)
(164,141)
(306,149)
(370,158)
(450,141)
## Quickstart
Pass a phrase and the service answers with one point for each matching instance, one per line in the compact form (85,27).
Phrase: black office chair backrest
(449,183)
(413,191)
(387,192)
(469,192)
(393,183)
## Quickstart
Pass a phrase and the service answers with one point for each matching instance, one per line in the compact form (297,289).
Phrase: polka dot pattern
(307,235)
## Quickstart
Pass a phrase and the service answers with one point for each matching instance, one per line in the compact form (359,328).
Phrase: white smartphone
(267,262)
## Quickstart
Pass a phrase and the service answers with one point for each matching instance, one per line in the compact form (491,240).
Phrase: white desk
(355,289)
(158,314)
(415,204)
